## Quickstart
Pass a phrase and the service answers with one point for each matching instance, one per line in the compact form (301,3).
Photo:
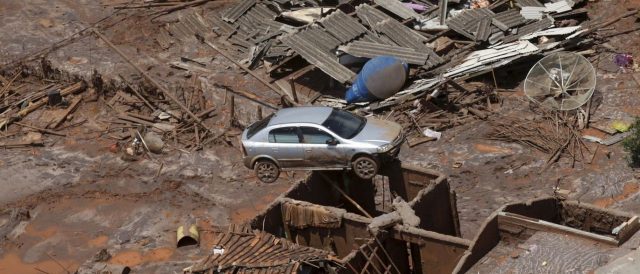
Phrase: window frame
(296,131)
(323,130)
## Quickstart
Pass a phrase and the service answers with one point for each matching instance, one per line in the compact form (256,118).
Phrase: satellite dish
(562,80)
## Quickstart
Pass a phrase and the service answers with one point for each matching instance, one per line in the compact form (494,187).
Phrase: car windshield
(345,124)
(257,126)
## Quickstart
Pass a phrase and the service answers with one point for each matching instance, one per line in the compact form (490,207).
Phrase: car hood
(378,132)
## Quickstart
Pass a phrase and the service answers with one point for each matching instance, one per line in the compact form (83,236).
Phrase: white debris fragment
(432,133)
(533,13)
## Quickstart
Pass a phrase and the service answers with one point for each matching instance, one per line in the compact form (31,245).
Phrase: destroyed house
(337,40)
(368,227)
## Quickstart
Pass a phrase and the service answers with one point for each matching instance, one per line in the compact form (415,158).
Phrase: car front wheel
(267,171)
(365,167)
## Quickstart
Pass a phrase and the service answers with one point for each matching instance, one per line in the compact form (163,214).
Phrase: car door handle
(308,150)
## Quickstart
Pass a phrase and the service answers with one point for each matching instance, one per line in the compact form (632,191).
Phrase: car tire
(267,171)
(365,167)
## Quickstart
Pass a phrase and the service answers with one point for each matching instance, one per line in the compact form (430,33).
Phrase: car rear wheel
(365,167)
(267,171)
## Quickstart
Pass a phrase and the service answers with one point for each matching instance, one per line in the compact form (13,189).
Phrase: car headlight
(384,148)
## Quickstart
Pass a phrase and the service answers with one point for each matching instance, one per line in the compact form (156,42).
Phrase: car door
(318,152)
(285,147)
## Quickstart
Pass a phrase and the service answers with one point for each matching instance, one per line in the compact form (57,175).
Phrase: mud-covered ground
(81,197)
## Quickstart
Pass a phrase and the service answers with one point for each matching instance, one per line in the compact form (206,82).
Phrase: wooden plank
(57,121)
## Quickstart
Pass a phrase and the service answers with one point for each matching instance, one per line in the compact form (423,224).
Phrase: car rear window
(258,126)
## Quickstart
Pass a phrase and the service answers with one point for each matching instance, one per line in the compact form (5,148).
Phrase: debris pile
(550,133)
(241,250)
(443,46)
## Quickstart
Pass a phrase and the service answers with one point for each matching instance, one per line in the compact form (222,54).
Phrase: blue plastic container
(380,78)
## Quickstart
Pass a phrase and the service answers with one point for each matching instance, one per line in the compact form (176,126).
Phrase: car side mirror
(332,142)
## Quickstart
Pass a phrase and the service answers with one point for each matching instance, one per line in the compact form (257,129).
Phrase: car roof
(311,115)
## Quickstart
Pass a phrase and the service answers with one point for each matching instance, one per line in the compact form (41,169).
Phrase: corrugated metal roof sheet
(259,252)
(369,16)
(551,32)
(375,38)
(371,50)
(342,26)
(529,3)
(320,38)
(219,26)
(466,23)
(499,55)
(530,28)
(560,6)
(510,18)
(398,8)
(323,60)
(189,25)
(232,14)
(401,34)
(484,29)
(532,13)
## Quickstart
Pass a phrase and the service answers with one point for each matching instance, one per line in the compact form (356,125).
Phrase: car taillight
(244,151)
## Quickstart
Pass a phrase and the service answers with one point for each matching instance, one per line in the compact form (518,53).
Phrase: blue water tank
(380,78)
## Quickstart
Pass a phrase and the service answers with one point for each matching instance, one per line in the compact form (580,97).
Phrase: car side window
(312,135)
(287,135)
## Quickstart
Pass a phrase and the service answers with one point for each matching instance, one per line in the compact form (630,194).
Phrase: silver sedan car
(319,138)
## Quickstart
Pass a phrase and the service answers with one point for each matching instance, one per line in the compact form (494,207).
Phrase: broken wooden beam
(150,79)
(253,74)
(72,107)
(33,106)
(41,130)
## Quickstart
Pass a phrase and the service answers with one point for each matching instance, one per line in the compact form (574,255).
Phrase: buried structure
(335,223)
